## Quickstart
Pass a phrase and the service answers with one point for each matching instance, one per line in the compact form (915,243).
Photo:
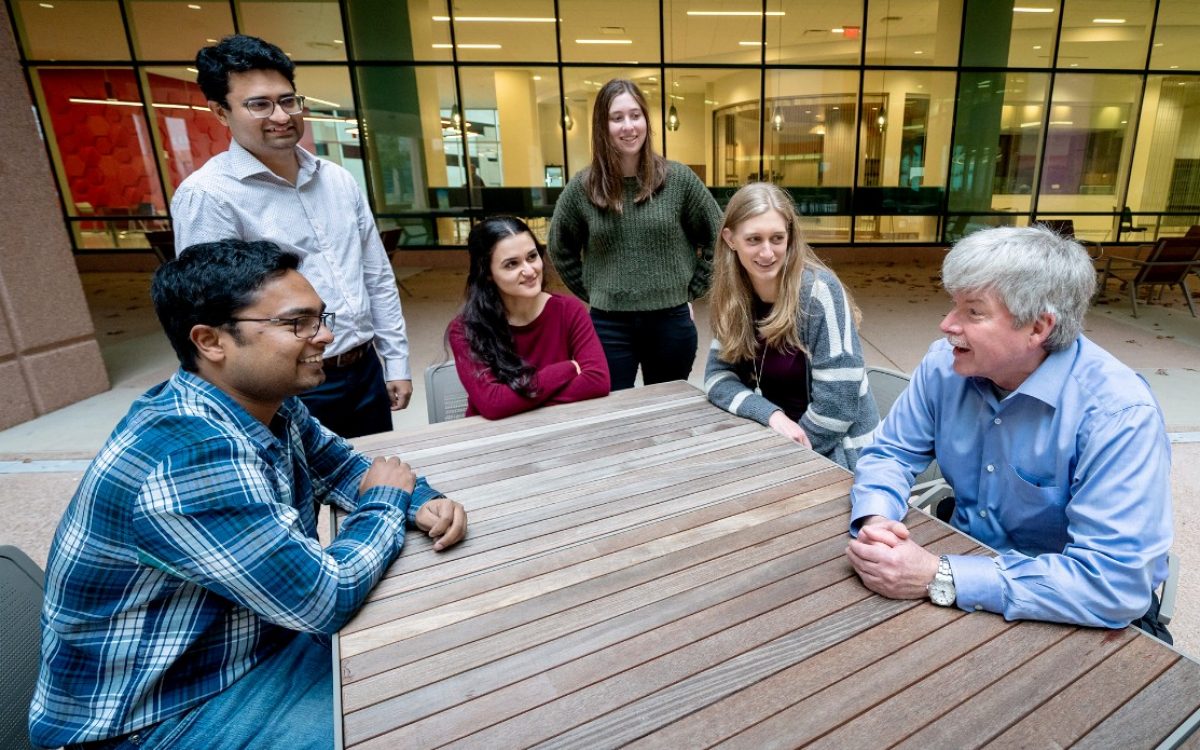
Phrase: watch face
(941,593)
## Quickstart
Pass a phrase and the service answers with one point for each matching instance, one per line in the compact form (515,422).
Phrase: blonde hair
(604,182)
(731,306)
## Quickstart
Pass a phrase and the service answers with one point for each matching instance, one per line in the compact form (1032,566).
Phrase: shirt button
(991,468)
(983,514)
(996,420)
(978,607)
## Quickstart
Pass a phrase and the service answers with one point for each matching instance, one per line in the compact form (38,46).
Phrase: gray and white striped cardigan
(841,415)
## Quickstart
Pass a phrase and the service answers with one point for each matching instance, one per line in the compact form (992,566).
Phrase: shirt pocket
(1033,513)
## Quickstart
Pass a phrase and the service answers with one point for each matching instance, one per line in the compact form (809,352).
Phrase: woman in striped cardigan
(786,351)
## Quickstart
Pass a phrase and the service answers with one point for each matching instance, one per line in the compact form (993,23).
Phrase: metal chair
(21,586)
(162,242)
(1066,228)
(445,397)
(1169,263)
(929,488)
(1126,225)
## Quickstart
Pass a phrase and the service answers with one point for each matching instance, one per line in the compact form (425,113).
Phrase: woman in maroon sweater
(517,346)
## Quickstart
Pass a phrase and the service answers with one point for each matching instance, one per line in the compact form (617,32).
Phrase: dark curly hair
(238,54)
(484,319)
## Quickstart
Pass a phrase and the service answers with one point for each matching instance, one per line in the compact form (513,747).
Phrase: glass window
(411,118)
(305,30)
(188,131)
(101,142)
(625,30)
(691,102)
(1008,35)
(515,30)
(913,32)
(330,121)
(1112,34)
(998,129)
(903,154)
(1165,175)
(808,33)
(728,32)
(389,30)
(736,129)
(1176,37)
(176,30)
(1088,147)
(71,29)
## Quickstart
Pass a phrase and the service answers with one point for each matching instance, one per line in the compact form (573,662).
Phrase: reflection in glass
(913,32)
(304,29)
(188,131)
(388,30)
(1113,34)
(1176,37)
(71,29)
(811,33)
(729,32)
(100,137)
(1165,175)
(513,30)
(176,29)
(610,30)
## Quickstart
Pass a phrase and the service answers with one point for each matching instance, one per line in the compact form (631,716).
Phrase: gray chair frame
(929,488)
(445,397)
(22,584)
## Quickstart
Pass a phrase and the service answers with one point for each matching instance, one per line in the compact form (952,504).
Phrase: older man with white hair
(1057,452)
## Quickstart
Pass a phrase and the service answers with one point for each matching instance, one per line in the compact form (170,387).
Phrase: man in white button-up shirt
(266,187)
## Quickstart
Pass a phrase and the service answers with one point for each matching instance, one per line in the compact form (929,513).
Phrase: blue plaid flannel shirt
(189,554)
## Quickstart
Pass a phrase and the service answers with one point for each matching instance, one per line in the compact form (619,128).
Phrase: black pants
(1147,622)
(353,400)
(662,342)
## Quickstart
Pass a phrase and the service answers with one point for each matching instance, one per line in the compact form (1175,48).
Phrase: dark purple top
(782,375)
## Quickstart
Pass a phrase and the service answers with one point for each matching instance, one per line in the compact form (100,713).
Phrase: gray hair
(1033,270)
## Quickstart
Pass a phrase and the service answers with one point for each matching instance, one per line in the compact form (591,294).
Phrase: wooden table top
(648,570)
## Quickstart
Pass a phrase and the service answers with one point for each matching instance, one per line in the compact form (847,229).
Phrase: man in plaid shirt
(188,601)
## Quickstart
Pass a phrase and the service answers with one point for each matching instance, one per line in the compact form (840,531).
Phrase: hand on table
(399,391)
(444,520)
(388,472)
(889,562)
(789,429)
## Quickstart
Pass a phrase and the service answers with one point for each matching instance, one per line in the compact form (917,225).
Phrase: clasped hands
(444,520)
(889,562)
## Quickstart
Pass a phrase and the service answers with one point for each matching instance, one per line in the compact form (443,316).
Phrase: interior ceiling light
(753,13)
(1108,20)
(1020,9)
(193,6)
(46,5)
(604,41)
(752,44)
(335,105)
(496,19)
(467,46)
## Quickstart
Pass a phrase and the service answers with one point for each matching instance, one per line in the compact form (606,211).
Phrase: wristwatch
(941,588)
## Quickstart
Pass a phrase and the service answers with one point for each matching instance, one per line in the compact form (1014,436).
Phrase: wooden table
(648,570)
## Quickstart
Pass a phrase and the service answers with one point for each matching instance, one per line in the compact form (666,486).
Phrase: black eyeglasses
(262,108)
(305,326)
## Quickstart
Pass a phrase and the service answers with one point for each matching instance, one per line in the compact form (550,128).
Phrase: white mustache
(957,342)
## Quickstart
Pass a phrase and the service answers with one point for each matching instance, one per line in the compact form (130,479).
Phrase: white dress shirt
(324,219)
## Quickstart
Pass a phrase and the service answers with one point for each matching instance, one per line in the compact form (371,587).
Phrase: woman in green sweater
(633,236)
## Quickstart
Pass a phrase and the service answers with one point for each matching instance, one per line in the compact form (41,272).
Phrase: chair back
(1193,232)
(445,397)
(21,586)
(390,239)
(887,385)
(162,242)
(1170,261)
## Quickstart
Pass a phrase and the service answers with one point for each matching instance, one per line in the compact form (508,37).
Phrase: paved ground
(42,461)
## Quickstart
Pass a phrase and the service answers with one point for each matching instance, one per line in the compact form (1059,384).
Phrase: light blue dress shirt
(1067,479)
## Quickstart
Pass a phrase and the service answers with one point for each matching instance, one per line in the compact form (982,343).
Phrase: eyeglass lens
(291,105)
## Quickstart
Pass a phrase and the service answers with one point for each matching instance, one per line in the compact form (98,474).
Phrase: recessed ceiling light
(1174,67)
(496,19)
(211,41)
(652,79)
(46,5)
(752,44)
(835,109)
(1108,20)
(193,6)
(335,105)
(1020,9)
(468,46)
(1037,46)
(191,70)
(837,31)
(537,78)
(604,41)
(1074,65)
(918,52)
(338,41)
(1158,44)
(754,13)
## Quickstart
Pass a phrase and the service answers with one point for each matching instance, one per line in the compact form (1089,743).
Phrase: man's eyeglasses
(262,108)
(305,326)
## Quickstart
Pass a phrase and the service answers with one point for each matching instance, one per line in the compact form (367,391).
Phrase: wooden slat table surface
(647,570)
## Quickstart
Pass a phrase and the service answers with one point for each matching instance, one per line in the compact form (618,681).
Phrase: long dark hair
(604,183)
(484,318)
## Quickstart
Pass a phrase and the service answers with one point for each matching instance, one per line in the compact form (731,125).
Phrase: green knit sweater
(654,255)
